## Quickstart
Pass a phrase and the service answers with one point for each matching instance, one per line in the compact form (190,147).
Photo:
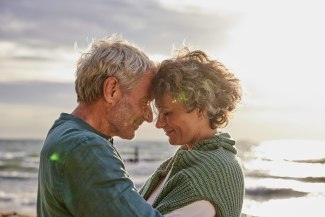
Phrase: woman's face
(182,127)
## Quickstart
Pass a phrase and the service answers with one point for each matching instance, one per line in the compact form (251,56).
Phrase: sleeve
(96,184)
(200,208)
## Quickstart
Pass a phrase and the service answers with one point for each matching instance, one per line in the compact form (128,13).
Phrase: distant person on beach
(80,172)
(195,96)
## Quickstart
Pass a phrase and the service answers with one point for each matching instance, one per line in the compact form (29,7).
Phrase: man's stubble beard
(121,120)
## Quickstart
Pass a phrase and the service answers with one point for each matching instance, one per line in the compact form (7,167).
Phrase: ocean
(282,177)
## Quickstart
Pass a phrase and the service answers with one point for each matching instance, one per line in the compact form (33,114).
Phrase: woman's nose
(160,121)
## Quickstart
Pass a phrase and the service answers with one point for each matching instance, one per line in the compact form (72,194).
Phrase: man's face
(133,109)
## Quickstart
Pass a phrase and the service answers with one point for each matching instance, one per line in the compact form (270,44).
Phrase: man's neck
(95,115)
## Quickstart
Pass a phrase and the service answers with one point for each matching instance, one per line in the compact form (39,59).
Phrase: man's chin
(128,136)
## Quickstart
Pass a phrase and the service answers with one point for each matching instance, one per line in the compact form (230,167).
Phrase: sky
(275,47)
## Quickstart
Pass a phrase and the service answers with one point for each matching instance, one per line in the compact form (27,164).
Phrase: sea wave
(27,165)
(12,155)
(15,175)
(313,161)
(6,197)
(265,194)
(261,174)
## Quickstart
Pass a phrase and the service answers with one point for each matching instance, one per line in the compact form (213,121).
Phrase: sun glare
(292,150)
(298,207)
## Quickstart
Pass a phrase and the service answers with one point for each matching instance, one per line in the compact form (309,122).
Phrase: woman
(195,96)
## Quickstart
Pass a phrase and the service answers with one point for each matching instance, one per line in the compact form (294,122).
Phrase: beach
(279,175)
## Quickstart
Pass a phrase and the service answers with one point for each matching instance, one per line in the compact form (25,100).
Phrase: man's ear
(111,90)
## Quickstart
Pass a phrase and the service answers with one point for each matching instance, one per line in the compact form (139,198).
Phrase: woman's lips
(168,132)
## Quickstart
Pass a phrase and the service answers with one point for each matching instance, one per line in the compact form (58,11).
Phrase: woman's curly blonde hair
(196,81)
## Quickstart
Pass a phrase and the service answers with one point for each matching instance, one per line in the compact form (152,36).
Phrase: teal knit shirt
(210,171)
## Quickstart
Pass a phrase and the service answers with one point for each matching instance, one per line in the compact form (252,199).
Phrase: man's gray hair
(110,56)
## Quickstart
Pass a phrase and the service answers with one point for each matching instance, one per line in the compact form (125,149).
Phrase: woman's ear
(202,113)
(111,90)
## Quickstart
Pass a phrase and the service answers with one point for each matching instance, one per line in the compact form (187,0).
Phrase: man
(81,172)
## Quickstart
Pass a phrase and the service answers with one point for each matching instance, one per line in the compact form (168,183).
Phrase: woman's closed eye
(164,114)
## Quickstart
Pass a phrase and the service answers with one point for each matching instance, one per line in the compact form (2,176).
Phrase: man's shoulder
(68,136)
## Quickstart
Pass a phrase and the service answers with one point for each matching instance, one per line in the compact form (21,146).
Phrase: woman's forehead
(166,101)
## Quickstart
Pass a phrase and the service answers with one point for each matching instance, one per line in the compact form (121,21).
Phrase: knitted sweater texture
(210,171)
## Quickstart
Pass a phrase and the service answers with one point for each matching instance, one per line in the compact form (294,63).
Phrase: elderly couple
(82,174)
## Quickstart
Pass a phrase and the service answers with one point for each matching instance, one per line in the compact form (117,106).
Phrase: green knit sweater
(210,171)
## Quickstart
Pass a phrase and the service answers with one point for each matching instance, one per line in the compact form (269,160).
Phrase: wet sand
(12,214)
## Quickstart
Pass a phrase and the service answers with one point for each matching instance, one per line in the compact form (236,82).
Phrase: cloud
(146,23)
(60,95)
(29,108)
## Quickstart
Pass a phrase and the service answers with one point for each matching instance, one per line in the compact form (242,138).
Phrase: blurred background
(275,47)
